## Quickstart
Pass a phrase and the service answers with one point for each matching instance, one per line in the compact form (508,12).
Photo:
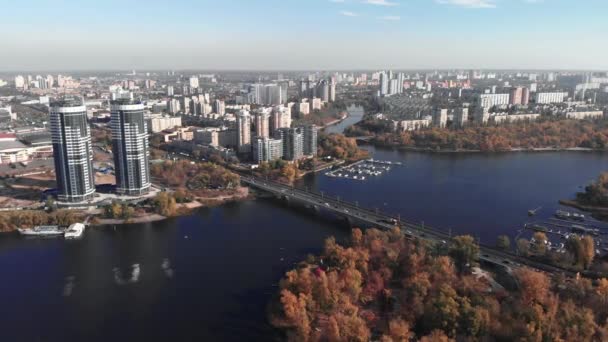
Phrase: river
(355,114)
(209,276)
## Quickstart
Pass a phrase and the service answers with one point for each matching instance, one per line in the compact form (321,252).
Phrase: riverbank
(345,115)
(183,209)
(432,150)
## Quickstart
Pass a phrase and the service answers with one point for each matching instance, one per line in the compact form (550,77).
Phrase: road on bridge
(384,221)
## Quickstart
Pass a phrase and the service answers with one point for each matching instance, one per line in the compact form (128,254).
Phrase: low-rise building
(501,118)
(580,115)
(304,108)
(555,97)
(207,136)
(413,125)
(12,150)
(316,103)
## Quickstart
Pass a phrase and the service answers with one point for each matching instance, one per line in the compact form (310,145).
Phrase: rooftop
(67,102)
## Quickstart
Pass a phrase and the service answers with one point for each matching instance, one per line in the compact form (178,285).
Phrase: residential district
(84,127)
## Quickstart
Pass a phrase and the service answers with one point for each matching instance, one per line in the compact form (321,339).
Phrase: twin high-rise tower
(73,154)
(71,138)
(130,147)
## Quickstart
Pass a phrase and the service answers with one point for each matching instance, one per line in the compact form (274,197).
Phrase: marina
(565,225)
(363,169)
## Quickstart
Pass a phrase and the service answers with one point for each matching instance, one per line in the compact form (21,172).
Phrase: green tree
(503,242)
(465,252)
(523,247)
(588,251)
(50,204)
(443,311)
(582,249)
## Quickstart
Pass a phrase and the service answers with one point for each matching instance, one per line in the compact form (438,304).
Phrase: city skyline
(323,35)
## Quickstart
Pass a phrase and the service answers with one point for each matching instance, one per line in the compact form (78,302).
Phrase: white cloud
(470,3)
(349,14)
(380,2)
(390,18)
(337,1)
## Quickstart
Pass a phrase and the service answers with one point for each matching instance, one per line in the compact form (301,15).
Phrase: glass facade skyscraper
(130,147)
(72,152)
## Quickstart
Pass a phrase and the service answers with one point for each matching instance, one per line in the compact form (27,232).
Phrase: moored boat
(74,231)
(41,231)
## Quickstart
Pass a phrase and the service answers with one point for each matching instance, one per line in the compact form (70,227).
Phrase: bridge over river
(373,217)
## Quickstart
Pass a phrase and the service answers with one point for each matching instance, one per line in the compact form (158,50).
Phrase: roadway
(375,218)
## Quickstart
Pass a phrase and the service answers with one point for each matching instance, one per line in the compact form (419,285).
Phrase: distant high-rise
(267,94)
(332,91)
(219,107)
(130,147)
(262,124)
(194,82)
(170,91)
(293,142)
(266,149)
(72,152)
(243,124)
(461,117)
(310,140)
(516,96)
(173,106)
(324,91)
(440,117)
(525,97)
(280,118)
(384,82)
(19,82)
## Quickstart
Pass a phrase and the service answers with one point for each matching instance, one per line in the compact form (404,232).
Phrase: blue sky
(303,34)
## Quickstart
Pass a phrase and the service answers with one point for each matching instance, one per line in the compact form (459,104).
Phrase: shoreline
(184,208)
(337,121)
(535,149)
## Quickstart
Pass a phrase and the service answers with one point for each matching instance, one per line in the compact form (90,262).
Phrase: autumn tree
(533,286)
(539,247)
(582,249)
(398,330)
(165,204)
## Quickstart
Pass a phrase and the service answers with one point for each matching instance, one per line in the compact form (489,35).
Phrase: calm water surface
(209,276)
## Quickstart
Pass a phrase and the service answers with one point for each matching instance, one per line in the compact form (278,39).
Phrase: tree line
(11,220)
(538,134)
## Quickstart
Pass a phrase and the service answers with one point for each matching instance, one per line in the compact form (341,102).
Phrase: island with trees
(383,286)
(593,199)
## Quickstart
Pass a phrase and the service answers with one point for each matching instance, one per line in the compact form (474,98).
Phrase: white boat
(74,231)
(41,231)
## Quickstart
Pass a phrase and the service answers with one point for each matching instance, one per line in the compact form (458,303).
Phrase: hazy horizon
(284,35)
